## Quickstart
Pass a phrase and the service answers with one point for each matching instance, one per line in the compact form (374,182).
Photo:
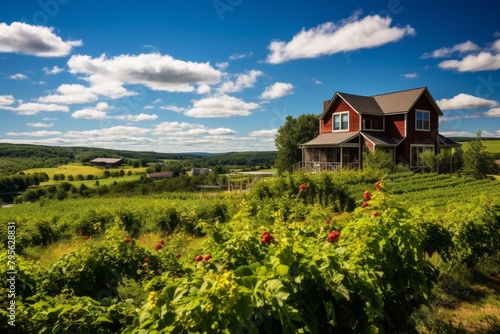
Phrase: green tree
(477,161)
(430,161)
(293,133)
(378,160)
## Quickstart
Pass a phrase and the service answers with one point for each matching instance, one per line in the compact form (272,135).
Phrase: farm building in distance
(200,171)
(160,175)
(106,162)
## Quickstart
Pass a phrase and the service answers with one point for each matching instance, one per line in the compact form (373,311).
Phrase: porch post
(341,157)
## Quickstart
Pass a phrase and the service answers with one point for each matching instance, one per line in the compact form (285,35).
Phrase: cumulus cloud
(243,80)
(18,76)
(33,40)
(34,133)
(329,38)
(277,90)
(52,71)
(263,133)
(483,61)
(223,106)
(465,101)
(444,52)
(99,112)
(173,107)
(6,100)
(40,125)
(495,112)
(33,108)
(70,94)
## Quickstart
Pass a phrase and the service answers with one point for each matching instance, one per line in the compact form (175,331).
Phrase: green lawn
(492,146)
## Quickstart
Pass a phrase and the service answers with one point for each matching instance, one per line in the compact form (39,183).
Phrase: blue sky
(222,75)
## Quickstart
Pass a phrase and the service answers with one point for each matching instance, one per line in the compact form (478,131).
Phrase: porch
(331,159)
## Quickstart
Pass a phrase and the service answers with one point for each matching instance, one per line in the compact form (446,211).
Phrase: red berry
(378,185)
(158,246)
(161,242)
(367,195)
(375,213)
(86,237)
(178,255)
(365,204)
(146,259)
(208,257)
(303,187)
(127,240)
(327,221)
(198,258)
(334,235)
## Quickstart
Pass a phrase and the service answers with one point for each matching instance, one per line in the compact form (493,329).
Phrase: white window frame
(424,148)
(416,120)
(340,114)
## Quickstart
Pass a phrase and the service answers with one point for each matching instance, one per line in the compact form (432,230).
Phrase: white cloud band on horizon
(329,38)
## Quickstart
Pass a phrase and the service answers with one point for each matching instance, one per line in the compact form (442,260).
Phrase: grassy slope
(492,146)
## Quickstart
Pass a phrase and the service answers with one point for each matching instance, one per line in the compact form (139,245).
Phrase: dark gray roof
(384,104)
(381,139)
(362,104)
(161,174)
(329,139)
(443,142)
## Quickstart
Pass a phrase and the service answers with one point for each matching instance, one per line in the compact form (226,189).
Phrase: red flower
(302,187)
(178,255)
(86,237)
(158,247)
(162,242)
(367,195)
(334,235)
(127,240)
(266,238)
(378,185)
(198,258)
(146,259)
(208,257)
(365,204)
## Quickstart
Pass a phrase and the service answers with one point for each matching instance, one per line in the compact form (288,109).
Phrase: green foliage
(291,135)
(477,161)
(378,160)
(430,161)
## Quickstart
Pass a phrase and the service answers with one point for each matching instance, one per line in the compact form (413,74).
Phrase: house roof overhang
(331,139)
(381,139)
(447,142)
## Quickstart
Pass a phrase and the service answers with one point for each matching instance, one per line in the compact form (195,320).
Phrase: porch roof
(331,139)
(446,142)
(381,139)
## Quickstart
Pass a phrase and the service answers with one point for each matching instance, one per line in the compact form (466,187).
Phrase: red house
(404,124)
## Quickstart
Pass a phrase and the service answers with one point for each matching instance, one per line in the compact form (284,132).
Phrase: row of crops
(326,253)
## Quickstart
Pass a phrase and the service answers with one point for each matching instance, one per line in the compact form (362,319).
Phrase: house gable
(337,105)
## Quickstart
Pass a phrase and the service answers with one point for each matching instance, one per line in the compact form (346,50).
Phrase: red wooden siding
(422,137)
(395,126)
(326,125)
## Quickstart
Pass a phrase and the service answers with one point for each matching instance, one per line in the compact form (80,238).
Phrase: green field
(492,146)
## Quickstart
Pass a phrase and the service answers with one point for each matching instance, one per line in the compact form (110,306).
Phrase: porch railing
(316,167)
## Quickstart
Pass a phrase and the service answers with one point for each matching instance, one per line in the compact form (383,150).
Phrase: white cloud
(236,56)
(34,108)
(156,71)
(243,80)
(263,133)
(465,101)
(70,94)
(158,100)
(52,71)
(173,107)
(495,112)
(277,90)
(34,133)
(18,76)
(89,113)
(183,129)
(329,38)
(109,134)
(203,89)
(496,46)
(6,100)
(467,46)
(136,118)
(40,125)
(412,75)
(317,81)
(223,106)
(148,107)
(483,61)
(33,40)
(222,66)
